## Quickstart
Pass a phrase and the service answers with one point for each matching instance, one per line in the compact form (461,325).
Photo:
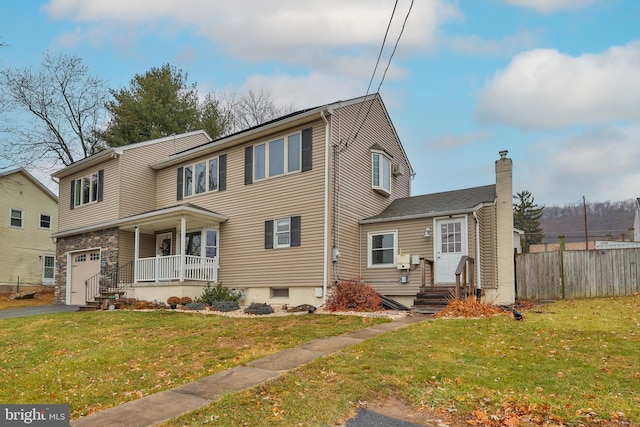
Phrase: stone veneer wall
(106,240)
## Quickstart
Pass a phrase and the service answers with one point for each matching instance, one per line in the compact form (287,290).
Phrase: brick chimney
(505,294)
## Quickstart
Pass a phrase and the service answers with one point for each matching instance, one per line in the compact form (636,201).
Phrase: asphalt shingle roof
(433,204)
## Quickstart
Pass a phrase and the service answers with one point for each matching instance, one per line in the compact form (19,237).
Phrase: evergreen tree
(526,217)
(160,103)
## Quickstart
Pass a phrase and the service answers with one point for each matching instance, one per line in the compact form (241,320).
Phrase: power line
(386,69)
(384,40)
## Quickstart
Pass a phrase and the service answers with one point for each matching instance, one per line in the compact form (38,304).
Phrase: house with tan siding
(28,217)
(277,211)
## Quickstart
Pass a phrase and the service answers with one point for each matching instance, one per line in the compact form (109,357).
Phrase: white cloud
(601,164)
(283,30)
(549,6)
(544,89)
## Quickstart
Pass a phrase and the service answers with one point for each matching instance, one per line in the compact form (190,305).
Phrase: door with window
(450,244)
(83,266)
(48,269)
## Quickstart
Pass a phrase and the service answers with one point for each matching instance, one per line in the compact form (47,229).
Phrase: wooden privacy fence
(577,274)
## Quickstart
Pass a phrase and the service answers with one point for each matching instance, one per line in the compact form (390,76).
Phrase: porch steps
(96,304)
(433,299)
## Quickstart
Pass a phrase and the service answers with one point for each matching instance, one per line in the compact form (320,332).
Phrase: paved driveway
(33,311)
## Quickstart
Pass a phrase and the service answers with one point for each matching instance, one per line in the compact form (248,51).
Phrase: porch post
(136,252)
(183,239)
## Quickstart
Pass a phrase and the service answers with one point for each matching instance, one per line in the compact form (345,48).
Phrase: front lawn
(95,360)
(568,363)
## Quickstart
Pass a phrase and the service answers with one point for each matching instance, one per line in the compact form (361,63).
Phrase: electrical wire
(386,69)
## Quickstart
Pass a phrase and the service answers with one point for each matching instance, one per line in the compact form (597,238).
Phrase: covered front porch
(175,244)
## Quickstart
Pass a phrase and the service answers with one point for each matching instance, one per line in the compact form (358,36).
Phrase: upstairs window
(286,154)
(381,172)
(87,189)
(16,218)
(202,177)
(45,221)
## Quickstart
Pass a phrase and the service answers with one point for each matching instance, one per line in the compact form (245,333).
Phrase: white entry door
(450,245)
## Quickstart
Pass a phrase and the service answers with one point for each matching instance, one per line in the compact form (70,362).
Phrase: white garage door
(83,266)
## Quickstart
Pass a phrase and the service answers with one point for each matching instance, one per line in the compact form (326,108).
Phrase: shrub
(173,300)
(353,295)
(185,300)
(219,293)
(258,308)
(225,306)
(194,306)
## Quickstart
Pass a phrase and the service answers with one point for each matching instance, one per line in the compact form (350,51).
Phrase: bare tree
(252,108)
(56,112)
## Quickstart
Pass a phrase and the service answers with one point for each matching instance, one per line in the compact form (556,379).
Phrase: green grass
(572,362)
(95,360)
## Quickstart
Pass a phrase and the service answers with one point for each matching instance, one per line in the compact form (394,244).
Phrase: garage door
(83,266)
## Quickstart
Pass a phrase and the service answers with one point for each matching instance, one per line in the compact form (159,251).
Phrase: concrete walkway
(156,408)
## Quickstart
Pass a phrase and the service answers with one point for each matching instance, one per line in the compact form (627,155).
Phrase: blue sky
(556,82)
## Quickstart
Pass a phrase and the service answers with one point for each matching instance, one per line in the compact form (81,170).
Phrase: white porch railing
(165,268)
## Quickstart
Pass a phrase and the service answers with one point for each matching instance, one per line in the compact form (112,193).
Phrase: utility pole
(586,234)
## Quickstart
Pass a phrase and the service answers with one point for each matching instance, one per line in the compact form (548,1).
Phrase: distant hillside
(605,221)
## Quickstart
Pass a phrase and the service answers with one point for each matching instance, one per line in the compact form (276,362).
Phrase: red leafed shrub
(353,295)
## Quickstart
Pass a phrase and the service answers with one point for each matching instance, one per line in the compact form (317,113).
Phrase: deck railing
(166,268)
(466,268)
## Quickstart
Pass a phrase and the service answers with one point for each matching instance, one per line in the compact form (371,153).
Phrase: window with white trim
(194,243)
(16,218)
(277,157)
(48,269)
(380,172)
(202,177)
(45,221)
(282,232)
(382,248)
(87,189)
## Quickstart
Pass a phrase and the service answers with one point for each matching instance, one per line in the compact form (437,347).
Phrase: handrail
(462,268)
(109,277)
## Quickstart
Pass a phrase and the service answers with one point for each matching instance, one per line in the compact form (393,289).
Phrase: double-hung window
(204,176)
(45,221)
(381,172)
(87,189)
(282,232)
(16,219)
(382,248)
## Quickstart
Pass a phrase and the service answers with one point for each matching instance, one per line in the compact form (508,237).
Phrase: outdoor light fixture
(427,232)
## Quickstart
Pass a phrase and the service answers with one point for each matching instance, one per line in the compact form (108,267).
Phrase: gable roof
(31,178)
(111,152)
(294,118)
(429,205)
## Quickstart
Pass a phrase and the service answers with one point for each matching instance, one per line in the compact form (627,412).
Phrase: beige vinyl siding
(22,248)
(356,199)
(243,260)
(411,241)
(95,212)
(126,247)
(138,180)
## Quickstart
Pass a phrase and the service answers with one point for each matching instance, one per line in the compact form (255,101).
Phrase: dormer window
(381,172)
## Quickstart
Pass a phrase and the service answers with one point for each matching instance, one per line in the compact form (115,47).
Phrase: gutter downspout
(478,276)
(325,262)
